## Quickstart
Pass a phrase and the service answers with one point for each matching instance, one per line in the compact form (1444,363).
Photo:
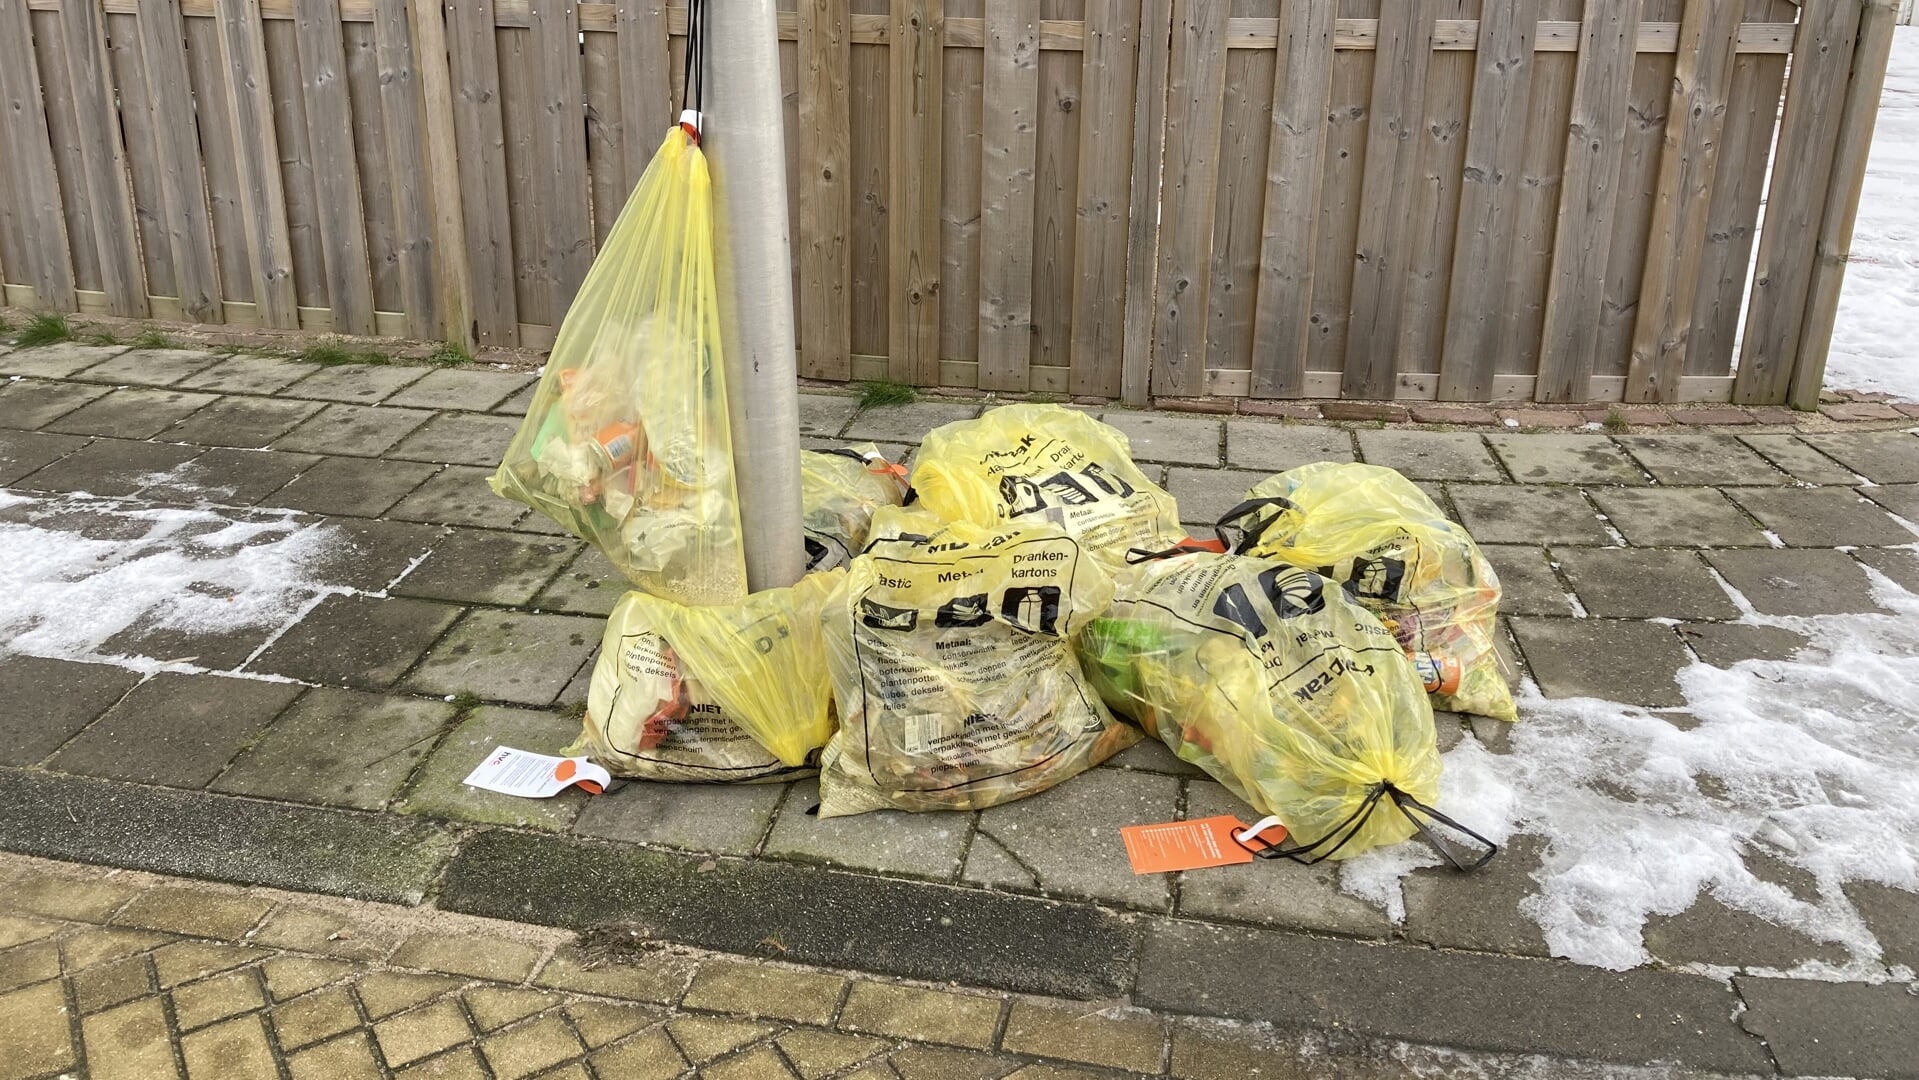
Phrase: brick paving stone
(194,911)
(1271,448)
(906,1012)
(129,1043)
(1834,1029)
(37,1038)
(1287,409)
(112,984)
(940,1063)
(589,586)
(28,964)
(361,384)
(1046,847)
(658,978)
(486,567)
(459,439)
(494,1007)
(339,748)
(23,452)
(109,467)
(887,841)
(1481,910)
(722,819)
(1676,517)
(458,495)
(15,931)
(1076,1034)
(1542,418)
(63,696)
(1184,440)
(1151,755)
(1860,411)
(462,388)
(148,367)
(353,487)
(421,1033)
(1452,414)
(461,1064)
(359,641)
(1520,514)
(1431,455)
(131,413)
(820,1053)
(201,1003)
(528,1048)
(1278,893)
(1883,457)
(906,423)
(31,403)
(1527,585)
(185,961)
(758,1063)
(1700,458)
(103,946)
(1720,416)
(229,477)
(1901,499)
(1709,932)
(1725,644)
(215,649)
(1630,662)
(241,421)
(350,1058)
(599,1023)
(1204,494)
(291,976)
(455,954)
(1797,582)
(1800,459)
(1823,517)
(58,360)
(1629,583)
(177,730)
(385,993)
(234,1050)
(354,430)
(369,555)
(508,656)
(249,375)
(438,791)
(651,1056)
(826,414)
(1217,406)
(318,931)
(316,1016)
(1565,459)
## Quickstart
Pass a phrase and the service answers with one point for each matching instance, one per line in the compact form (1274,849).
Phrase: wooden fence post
(442,168)
(1008,169)
(1188,195)
(336,173)
(104,156)
(825,301)
(26,151)
(262,196)
(917,32)
(1143,195)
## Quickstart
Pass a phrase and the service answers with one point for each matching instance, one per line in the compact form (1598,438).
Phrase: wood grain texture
(1008,168)
(341,212)
(1055,184)
(561,148)
(1239,203)
(376,177)
(1195,88)
(450,254)
(913,234)
(1437,186)
(220,162)
(296,164)
(824,307)
(1337,231)
(963,86)
(66,134)
(185,216)
(410,181)
(1105,167)
(480,151)
(645,102)
(28,159)
(1146,188)
(104,158)
(870,152)
(128,69)
(256,142)
(605,132)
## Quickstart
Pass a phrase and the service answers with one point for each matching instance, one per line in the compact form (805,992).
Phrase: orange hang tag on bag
(1195,845)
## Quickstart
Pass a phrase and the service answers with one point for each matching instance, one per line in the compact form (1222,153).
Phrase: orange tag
(1189,845)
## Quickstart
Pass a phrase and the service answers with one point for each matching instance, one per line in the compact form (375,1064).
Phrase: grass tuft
(327,354)
(154,339)
(6,325)
(45,328)
(886,392)
(450,354)
(464,704)
(104,337)
(1615,422)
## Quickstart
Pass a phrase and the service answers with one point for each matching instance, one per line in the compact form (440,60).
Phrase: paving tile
(354,430)
(1480,910)
(528,1048)
(723,819)
(906,423)
(361,384)
(241,421)
(818,1053)
(519,403)
(1271,448)
(940,1063)
(1187,440)
(459,439)
(1044,843)
(1075,1034)
(360,641)
(90,948)
(201,1003)
(148,367)
(1676,517)
(229,477)
(1834,1029)
(30,403)
(1151,755)
(461,388)
(1901,564)
(353,487)
(339,748)
(1709,932)
(1883,457)
(439,792)
(1277,892)
(1565,459)
(826,414)
(1527,585)
(600,1023)
(1726,644)
(1431,455)
(213,648)
(58,360)
(486,567)
(314,1017)
(589,586)
(757,1063)
(655,977)
(28,964)
(23,452)
(198,911)
(234,1050)
(1900,499)
(1697,458)
(757,990)
(1204,494)
(1823,517)
(291,976)
(52,699)
(350,1058)
(36,1026)
(109,467)
(1797,582)
(369,555)
(248,375)
(907,1012)
(1630,662)
(411,1036)
(481,957)
(460,1064)
(888,841)
(385,993)
(1630,583)
(112,984)
(458,495)
(1800,459)
(652,1056)
(1521,514)
(129,1043)
(494,1007)
(1893,917)
(132,413)
(176,730)
(185,961)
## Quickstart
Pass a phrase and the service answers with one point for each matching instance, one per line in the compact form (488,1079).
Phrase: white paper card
(536,776)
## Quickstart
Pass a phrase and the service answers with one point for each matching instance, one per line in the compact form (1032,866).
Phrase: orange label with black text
(1189,845)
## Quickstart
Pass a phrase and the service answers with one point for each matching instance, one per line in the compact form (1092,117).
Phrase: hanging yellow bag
(626,442)
(1376,533)
(1036,463)
(840,489)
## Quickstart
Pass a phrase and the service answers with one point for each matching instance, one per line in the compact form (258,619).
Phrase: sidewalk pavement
(322,749)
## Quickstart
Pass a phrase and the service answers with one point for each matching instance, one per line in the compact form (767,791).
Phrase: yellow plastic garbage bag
(626,443)
(840,489)
(716,694)
(1375,532)
(1030,463)
(953,673)
(1270,679)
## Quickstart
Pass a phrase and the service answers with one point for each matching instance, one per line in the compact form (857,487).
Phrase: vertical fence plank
(562,147)
(1295,166)
(1105,153)
(1337,230)
(825,180)
(1582,241)
(1795,203)
(65,132)
(1434,213)
(336,178)
(1392,161)
(481,155)
(377,193)
(1489,209)
(1055,181)
(1008,164)
(28,159)
(527,192)
(220,159)
(406,157)
(1239,200)
(1143,200)
(963,84)
(645,102)
(296,164)
(1528,279)
(104,157)
(917,31)
(1193,97)
(176,134)
(1860,111)
(605,132)
(1694,121)
(450,253)
(262,196)
(128,68)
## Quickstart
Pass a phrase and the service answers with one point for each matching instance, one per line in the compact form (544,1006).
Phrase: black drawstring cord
(1308,854)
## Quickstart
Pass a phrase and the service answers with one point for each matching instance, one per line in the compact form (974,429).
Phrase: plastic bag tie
(1247,537)
(1421,816)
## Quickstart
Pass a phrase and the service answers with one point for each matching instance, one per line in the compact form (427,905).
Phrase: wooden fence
(1529,199)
